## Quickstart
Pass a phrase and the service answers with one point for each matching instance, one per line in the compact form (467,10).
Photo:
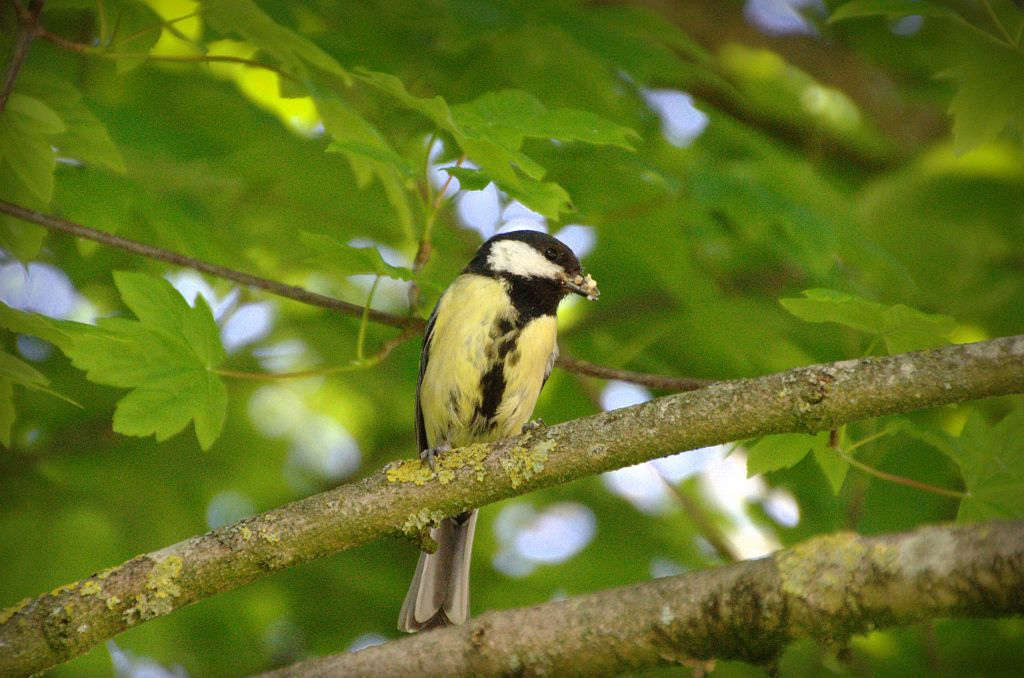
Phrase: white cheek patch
(518,258)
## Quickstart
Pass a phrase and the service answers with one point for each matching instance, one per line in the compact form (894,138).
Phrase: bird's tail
(439,593)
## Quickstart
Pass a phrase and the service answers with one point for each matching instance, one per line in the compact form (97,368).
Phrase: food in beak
(583,285)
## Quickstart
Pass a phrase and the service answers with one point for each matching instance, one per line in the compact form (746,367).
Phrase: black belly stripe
(492,388)
(504,336)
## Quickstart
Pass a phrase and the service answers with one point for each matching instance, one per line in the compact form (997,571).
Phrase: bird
(488,349)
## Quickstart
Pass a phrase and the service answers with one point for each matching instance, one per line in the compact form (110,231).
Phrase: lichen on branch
(54,627)
(827,588)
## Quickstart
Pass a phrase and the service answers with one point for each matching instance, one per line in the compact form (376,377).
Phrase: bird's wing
(550,365)
(428,335)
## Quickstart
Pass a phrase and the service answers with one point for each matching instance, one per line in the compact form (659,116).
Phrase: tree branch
(407,497)
(304,296)
(829,588)
(658,381)
(280,289)
(28,20)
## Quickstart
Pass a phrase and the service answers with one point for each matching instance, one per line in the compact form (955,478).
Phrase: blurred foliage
(289,139)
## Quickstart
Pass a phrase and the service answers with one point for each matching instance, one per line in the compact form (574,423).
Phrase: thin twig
(424,250)
(272,286)
(61,41)
(902,480)
(998,24)
(425,247)
(360,364)
(363,320)
(568,363)
(834,444)
(658,381)
(703,522)
(168,24)
(28,20)
(82,48)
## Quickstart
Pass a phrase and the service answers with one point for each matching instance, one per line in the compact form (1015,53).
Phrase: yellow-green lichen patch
(421,521)
(9,612)
(65,587)
(90,588)
(409,471)
(446,464)
(269,535)
(818,572)
(160,579)
(161,590)
(417,528)
(522,463)
(113,602)
(246,533)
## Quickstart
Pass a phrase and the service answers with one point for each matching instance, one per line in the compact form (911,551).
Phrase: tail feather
(439,592)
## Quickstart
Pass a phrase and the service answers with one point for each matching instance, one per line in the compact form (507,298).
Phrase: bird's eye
(551,254)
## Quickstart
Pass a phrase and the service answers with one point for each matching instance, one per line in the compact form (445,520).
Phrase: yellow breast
(483,372)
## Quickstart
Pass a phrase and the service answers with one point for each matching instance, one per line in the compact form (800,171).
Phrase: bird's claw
(430,453)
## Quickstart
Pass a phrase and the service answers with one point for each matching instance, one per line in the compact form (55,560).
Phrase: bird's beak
(582,285)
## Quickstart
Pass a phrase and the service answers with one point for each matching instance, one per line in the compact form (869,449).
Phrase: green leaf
(901,328)
(509,116)
(166,357)
(890,8)
(165,406)
(990,94)
(490,130)
(37,325)
(19,237)
(831,464)
(19,372)
(350,260)
(27,154)
(136,29)
(37,115)
(435,107)
(293,52)
(7,413)
(369,154)
(86,138)
(16,371)
(989,73)
(991,459)
(780,451)
(378,153)
(469,179)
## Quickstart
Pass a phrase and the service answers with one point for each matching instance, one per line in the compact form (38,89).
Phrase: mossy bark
(406,497)
(827,588)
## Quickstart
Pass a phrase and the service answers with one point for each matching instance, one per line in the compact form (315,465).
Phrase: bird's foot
(533,425)
(430,453)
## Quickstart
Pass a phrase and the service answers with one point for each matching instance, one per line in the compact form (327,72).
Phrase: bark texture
(828,588)
(407,497)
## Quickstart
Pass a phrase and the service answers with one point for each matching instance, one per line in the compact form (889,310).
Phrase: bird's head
(535,257)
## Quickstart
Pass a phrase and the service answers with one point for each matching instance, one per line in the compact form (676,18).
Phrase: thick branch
(59,625)
(312,298)
(829,588)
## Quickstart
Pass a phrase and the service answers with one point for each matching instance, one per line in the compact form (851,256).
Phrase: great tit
(488,349)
